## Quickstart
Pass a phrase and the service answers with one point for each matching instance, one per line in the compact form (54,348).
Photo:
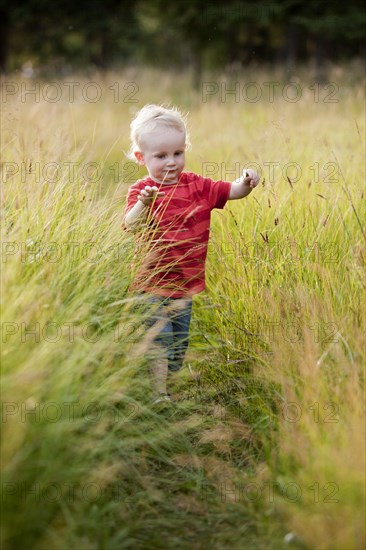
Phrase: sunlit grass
(268,435)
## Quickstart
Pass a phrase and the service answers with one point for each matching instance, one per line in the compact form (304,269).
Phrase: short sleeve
(216,192)
(132,195)
(131,199)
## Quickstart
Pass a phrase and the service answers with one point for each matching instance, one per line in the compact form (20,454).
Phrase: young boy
(171,211)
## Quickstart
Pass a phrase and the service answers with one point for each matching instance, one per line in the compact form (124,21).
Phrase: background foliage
(66,34)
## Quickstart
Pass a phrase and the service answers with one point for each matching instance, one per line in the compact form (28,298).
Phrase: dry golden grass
(279,336)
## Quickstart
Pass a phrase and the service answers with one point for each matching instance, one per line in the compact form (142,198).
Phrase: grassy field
(265,448)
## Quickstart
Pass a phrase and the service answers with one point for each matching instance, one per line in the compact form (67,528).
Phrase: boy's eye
(177,153)
(160,156)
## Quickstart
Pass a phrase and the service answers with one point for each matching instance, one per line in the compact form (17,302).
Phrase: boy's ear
(139,157)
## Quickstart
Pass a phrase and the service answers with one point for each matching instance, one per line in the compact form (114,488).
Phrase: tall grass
(266,447)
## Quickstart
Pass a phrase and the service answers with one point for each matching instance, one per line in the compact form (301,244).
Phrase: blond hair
(149,118)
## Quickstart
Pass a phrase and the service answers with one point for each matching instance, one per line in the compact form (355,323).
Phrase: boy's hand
(148,194)
(244,185)
(251,178)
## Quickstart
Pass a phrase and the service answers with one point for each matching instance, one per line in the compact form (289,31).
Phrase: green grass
(266,439)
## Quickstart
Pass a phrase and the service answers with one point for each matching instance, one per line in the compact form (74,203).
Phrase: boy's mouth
(169,175)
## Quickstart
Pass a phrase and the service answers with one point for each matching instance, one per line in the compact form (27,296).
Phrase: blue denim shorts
(174,335)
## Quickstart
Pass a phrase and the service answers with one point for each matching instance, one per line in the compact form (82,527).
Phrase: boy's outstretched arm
(241,187)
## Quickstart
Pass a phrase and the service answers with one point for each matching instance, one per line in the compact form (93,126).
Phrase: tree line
(192,33)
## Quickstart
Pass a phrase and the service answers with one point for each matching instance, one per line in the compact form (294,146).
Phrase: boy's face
(163,153)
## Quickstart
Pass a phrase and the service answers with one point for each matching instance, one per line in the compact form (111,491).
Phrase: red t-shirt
(173,243)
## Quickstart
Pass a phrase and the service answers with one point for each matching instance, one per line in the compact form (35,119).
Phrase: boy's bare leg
(159,370)
(172,384)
